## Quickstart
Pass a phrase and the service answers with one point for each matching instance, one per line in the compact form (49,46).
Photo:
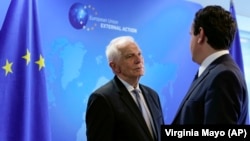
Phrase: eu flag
(235,50)
(23,100)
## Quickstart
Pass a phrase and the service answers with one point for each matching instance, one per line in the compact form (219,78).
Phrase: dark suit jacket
(112,114)
(218,96)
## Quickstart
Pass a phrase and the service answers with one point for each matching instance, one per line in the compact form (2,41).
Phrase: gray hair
(112,50)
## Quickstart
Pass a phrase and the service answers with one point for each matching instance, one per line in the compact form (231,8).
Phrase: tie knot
(136,91)
(137,98)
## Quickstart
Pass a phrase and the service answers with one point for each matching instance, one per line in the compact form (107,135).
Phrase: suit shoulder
(109,89)
(149,89)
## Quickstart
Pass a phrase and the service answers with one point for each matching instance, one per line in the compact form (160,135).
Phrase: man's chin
(141,74)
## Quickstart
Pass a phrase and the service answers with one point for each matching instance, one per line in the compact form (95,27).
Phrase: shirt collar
(128,86)
(210,59)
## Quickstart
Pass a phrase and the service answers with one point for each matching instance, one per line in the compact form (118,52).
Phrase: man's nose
(139,59)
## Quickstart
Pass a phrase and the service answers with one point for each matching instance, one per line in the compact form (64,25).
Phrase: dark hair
(218,24)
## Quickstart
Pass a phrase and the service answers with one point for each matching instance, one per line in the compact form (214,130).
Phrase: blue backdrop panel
(74,35)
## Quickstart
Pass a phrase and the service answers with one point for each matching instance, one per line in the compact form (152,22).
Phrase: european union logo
(23,98)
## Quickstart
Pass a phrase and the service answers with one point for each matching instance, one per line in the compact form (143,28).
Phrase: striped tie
(145,114)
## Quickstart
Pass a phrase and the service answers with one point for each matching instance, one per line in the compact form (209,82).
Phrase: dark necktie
(196,75)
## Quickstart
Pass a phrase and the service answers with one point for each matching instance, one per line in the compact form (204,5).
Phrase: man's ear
(201,35)
(114,67)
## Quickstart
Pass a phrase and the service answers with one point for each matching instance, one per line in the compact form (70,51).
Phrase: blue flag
(235,50)
(23,99)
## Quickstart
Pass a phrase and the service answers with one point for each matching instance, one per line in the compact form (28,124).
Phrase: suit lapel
(150,101)
(192,87)
(201,78)
(196,82)
(205,73)
(130,103)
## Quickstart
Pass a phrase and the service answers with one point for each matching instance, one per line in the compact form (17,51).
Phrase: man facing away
(218,95)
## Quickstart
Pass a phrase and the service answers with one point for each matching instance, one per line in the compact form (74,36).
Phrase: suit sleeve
(99,119)
(223,99)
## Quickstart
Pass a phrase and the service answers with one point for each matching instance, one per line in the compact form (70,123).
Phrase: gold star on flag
(27,57)
(40,62)
(7,67)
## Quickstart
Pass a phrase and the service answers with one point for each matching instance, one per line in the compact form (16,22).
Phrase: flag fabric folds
(235,50)
(23,99)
